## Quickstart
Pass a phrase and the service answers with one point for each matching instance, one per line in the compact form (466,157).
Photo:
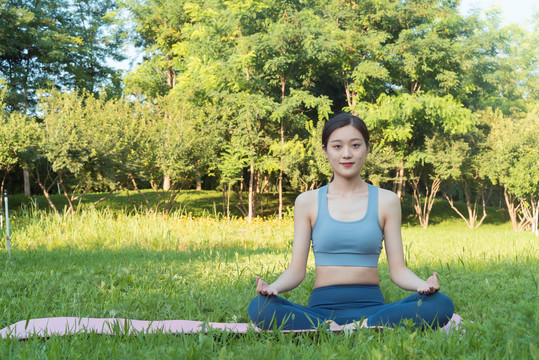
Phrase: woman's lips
(347,164)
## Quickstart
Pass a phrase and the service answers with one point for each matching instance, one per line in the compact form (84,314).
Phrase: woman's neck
(347,186)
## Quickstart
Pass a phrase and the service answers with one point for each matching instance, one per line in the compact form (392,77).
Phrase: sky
(513,11)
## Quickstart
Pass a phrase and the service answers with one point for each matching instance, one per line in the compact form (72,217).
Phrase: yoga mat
(60,326)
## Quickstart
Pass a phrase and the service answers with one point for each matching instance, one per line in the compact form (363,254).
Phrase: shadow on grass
(206,285)
(442,212)
(210,203)
(189,202)
(216,285)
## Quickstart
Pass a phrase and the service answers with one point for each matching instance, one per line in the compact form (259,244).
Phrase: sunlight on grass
(105,263)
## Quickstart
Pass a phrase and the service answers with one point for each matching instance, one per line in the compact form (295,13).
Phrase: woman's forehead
(346,133)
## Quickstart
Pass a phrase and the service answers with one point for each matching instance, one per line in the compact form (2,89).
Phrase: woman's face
(346,151)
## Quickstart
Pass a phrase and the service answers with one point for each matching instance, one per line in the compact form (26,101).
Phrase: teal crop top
(347,243)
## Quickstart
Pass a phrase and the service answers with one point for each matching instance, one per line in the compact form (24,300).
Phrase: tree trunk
(228,203)
(265,187)
(240,205)
(528,215)
(69,199)
(283,89)
(258,190)
(251,191)
(535,228)
(400,181)
(166,182)
(2,190)
(171,73)
(350,98)
(224,199)
(423,208)
(511,208)
(26,177)
(280,195)
(471,221)
(199,183)
(37,180)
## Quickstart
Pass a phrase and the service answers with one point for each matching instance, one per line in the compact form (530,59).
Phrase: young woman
(347,221)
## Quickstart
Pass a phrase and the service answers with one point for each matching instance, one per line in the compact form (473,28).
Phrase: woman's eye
(336,146)
(355,146)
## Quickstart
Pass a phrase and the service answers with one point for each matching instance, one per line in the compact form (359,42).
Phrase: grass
(110,262)
(189,202)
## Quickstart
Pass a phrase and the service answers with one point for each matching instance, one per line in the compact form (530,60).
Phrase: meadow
(194,264)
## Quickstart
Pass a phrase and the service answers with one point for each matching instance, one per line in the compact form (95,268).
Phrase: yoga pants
(348,303)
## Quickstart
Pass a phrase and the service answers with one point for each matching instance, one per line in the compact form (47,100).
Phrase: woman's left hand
(430,286)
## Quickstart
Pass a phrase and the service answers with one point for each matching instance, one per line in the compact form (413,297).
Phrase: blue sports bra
(347,243)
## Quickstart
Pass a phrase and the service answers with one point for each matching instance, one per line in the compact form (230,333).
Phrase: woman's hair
(343,120)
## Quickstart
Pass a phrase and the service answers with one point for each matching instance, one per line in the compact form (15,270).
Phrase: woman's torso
(350,211)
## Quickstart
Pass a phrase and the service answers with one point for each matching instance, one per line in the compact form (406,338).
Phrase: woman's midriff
(345,275)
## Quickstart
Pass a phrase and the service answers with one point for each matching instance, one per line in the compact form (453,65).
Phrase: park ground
(195,264)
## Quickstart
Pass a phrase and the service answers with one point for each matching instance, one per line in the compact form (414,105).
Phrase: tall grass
(107,263)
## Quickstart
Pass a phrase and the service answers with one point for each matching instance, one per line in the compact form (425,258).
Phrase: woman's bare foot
(350,326)
(333,326)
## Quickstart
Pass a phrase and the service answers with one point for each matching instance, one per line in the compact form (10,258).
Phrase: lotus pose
(347,221)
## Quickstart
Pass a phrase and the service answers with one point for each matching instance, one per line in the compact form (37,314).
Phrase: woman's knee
(445,304)
(259,306)
(442,308)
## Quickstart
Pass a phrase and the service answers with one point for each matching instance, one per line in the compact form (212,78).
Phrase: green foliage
(402,126)
(230,91)
(62,43)
(18,136)
(181,140)
(409,119)
(85,136)
(511,158)
(14,135)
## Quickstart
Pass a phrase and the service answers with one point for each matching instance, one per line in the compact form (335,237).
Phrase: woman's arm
(295,273)
(400,274)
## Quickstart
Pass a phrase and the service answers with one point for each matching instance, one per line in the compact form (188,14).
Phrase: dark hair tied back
(343,120)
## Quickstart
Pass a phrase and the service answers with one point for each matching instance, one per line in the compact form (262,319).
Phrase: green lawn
(114,263)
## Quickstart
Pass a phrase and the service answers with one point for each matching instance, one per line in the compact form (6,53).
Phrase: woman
(347,221)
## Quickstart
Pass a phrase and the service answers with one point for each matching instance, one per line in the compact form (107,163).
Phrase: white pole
(536,222)
(7,225)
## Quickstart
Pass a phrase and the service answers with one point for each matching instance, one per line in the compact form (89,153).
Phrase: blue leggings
(348,303)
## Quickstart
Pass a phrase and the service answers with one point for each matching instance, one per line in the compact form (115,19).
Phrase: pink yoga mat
(60,326)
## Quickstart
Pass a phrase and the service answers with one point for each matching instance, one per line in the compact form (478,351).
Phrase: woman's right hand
(430,286)
(263,288)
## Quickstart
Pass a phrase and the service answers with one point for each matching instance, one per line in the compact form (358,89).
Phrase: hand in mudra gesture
(263,288)
(430,286)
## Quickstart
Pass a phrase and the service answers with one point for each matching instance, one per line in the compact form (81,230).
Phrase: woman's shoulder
(306,205)
(307,198)
(387,197)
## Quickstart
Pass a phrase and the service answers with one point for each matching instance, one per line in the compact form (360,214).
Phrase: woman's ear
(325,151)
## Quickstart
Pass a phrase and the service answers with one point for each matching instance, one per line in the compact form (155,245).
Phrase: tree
(511,161)
(86,140)
(64,43)
(267,73)
(58,43)
(289,49)
(18,133)
(404,124)
(464,153)
(359,33)
(233,160)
